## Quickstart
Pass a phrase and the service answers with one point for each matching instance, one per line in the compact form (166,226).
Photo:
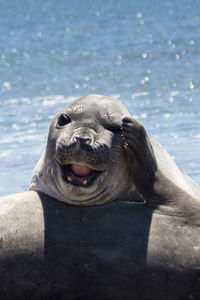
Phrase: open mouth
(79,175)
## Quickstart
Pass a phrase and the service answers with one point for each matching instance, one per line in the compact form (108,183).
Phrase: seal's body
(146,245)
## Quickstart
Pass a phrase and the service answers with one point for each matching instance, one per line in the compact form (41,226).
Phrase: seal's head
(84,163)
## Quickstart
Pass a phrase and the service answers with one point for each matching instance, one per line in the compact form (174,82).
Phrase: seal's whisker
(112,160)
(117,147)
(115,154)
(117,150)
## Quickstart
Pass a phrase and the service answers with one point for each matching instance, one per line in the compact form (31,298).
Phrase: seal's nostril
(82,140)
(88,141)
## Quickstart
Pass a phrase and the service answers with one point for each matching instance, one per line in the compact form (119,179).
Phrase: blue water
(144,53)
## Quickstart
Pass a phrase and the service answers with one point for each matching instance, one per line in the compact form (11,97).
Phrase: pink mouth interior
(80,172)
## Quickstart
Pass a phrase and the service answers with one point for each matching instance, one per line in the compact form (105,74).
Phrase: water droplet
(143,115)
(13,50)
(144,55)
(7,85)
(141,22)
(174,93)
(77,86)
(166,116)
(87,53)
(139,15)
(191,85)
(39,34)
(97,13)
(15,126)
(25,54)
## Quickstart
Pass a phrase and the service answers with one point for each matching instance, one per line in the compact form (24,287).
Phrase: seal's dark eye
(63,120)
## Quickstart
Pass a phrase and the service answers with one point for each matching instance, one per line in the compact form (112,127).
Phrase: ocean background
(144,53)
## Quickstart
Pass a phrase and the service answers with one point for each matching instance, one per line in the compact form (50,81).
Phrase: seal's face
(85,151)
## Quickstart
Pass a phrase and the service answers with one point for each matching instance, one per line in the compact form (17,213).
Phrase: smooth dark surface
(119,250)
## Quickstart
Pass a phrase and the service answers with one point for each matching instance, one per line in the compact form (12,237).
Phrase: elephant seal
(96,152)
(143,246)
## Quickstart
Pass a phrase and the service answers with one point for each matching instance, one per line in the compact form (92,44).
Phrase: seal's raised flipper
(140,155)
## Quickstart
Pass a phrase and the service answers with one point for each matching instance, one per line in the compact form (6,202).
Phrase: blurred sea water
(146,54)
